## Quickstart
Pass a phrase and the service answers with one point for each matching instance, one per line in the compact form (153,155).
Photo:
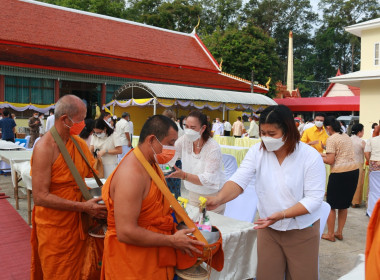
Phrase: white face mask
(272,144)
(217,121)
(192,135)
(36,116)
(318,124)
(100,135)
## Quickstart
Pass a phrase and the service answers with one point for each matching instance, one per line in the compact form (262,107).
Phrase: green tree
(277,18)
(218,15)
(114,8)
(244,50)
(334,47)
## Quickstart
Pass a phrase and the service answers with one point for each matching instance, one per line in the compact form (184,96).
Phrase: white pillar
(154,106)
(224,111)
(289,80)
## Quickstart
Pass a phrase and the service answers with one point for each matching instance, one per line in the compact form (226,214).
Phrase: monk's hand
(186,244)
(212,202)
(266,222)
(178,173)
(94,209)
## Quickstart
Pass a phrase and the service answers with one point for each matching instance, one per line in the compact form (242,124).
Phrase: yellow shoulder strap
(168,195)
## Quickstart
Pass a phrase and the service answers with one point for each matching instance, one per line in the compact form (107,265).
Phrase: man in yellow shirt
(316,135)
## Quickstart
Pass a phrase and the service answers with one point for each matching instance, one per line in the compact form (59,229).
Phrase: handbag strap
(168,195)
(74,171)
(98,181)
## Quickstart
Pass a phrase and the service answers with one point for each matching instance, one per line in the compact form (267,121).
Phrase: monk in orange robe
(57,236)
(372,251)
(139,242)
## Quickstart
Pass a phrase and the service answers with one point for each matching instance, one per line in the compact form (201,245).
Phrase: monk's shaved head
(69,105)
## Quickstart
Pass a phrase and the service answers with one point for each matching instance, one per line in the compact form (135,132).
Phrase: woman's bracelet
(185,176)
(283,212)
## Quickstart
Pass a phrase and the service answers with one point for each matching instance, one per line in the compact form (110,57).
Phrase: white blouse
(300,178)
(106,143)
(207,165)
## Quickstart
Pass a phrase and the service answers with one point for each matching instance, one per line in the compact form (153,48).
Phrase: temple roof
(40,35)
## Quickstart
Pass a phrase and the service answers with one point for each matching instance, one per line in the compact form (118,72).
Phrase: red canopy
(324,104)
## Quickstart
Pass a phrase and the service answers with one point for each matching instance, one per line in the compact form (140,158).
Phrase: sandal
(327,237)
(338,236)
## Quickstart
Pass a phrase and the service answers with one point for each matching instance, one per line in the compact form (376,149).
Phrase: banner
(20,107)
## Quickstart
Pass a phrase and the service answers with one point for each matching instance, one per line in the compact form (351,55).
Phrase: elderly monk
(139,242)
(57,237)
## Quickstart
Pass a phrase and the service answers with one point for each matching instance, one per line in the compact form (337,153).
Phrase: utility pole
(252,81)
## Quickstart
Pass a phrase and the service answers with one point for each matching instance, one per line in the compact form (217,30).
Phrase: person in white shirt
(201,160)
(123,132)
(171,115)
(106,145)
(290,180)
(130,127)
(227,128)
(301,126)
(218,127)
(253,131)
(309,124)
(50,121)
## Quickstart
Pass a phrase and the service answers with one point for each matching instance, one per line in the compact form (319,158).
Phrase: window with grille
(29,90)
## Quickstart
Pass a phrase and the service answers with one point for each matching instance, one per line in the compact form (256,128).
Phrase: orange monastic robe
(372,251)
(126,261)
(57,236)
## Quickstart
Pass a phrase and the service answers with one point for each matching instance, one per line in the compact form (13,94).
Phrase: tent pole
(224,110)
(154,106)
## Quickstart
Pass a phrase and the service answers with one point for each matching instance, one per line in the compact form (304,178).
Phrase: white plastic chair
(325,211)
(35,142)
(374,190)
(230,165)
(243,207)
(27,138)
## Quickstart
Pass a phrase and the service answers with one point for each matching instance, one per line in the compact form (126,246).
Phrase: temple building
(47,51)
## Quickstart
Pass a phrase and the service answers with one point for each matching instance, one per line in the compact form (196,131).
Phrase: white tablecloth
(13,157)
(239,245)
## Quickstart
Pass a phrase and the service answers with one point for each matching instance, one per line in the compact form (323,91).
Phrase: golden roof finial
(195,28)
(267,84)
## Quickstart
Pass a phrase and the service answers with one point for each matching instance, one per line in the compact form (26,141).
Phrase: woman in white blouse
(201,160)
(106,145)
(290,185)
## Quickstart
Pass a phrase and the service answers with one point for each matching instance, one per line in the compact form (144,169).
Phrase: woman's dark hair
(203,120)
(356,128)
(282,116)
(335,125)
(181,121)
(89,126)
(101,124)
(373,125)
